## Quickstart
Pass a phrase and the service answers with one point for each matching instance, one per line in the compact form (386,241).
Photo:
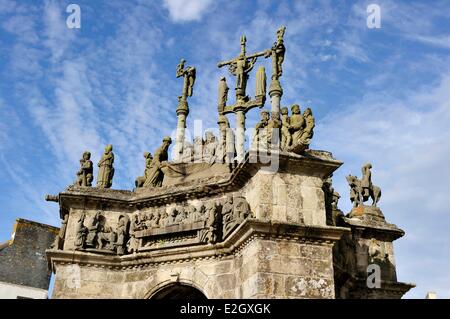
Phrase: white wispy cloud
(187,10)
(81,92)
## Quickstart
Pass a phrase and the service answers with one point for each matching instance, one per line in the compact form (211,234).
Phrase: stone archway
(178,291)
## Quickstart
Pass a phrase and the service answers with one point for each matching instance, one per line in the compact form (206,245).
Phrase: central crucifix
(240,67)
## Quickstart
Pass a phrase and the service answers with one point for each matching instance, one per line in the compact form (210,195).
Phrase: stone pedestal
(369,248)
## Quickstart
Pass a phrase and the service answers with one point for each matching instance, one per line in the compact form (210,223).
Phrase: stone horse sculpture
(356,195)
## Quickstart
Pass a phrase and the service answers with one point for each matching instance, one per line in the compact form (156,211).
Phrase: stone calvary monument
(222,221)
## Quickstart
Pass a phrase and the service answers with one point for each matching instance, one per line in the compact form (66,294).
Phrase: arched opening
(179,291)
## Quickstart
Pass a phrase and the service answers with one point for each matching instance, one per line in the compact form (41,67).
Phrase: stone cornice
(315,163)
(386,233)
(248,231)
(386,286)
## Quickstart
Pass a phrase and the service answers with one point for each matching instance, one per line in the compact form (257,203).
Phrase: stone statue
(273,130)
(155,175)
(303,130)
(92,230)
(297,123)
(81,231)
(200,213)
(100,236)
(122,233)
(277,51)
(377,252)
(240,67)
(234,212)
(224,125)
(260,82)
(162,217)
(335,200)
(230,148)
(355,190)
(189,75)
(198,148)
(188,153)
(366,181)
(331,196)
(148,163)
(85,174)
(172,216)
(223,95)
(241,209)
(209,149)
(181,216)
(227,214)
(310,123)
(105,237)
(159,213)
(362,190)
(210,233)
(260,139)
(133,242)
(285,133)
(106,169)
(153,219)
(59,239)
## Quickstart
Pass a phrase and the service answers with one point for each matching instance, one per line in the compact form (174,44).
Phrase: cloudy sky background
(378,95)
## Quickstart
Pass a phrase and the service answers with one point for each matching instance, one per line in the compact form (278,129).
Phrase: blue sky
(379,95)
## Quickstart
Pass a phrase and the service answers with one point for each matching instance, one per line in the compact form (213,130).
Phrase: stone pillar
(240,135)
(275,93)
(182,113)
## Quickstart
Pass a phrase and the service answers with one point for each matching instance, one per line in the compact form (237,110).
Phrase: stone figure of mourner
(122,233)
(285,133)
(209,150)
(297,123)
(227,214)
(261,134)
(85,174)
(148,163)
(355,190)
(155,174)
(106,169)
(273,129)
(188,153)
(92,230)
(133,243)
(308,130)
(211,223)
(81,232)
(105,236)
